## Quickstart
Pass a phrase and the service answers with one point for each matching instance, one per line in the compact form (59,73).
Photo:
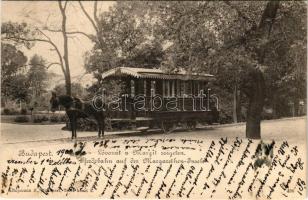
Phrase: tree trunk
(235,104)
(257,90)
(296,107)
(65,57)
(253,125)
(256,94)
(238,106)
(68,85)
(274,108)
(67,74)
(255,107)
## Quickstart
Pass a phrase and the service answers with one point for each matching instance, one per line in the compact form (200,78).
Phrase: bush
(83,125)
(224,117)
(21,119)
(86,125)
(54,118)
(23,111)
(63,118)
(6,111)
(10,111)
(40,118)
(57,118)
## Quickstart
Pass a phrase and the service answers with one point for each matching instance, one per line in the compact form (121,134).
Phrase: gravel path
(292,129)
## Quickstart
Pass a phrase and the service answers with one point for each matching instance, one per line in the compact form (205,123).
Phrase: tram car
(151,98)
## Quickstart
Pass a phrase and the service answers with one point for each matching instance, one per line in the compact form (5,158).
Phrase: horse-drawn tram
(150,98)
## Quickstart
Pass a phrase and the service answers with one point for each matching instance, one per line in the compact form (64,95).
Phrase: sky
(40,13)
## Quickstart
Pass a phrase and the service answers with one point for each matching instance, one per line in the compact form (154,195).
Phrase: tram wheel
(108,124)
(191,125)
(167,127)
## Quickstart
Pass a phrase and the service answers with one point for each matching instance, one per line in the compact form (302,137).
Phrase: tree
(77,90)
(19,88)
(37,75)
(122,39)
(286,78)
(11,30)
(239,42)
(22,34)
(66,72)
(262,40)
(195,32)
(12,65)
(254,83)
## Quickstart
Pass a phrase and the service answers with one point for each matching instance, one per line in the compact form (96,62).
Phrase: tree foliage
(21,80)
(13,63)
(23,34)
(124,40)
(77,90)
(37,75)
(10,31)
(224,38)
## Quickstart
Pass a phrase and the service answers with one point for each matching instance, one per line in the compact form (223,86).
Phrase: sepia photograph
(153,99)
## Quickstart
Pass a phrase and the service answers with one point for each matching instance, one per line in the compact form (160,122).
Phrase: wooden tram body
(152,98)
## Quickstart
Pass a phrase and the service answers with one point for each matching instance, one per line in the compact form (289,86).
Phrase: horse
(75,108)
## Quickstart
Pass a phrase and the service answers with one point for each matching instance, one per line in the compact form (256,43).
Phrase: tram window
(205,85)
(153,87)
(166,88)
(172,88)
(169,87)
(188,88)
(196,88)
(132,88)
(145,87)
(183,88)
(178,88)
(139,87)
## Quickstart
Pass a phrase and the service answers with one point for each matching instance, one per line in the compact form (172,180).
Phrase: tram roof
(146,73)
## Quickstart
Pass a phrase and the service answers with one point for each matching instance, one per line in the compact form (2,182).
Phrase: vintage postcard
(154,99)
